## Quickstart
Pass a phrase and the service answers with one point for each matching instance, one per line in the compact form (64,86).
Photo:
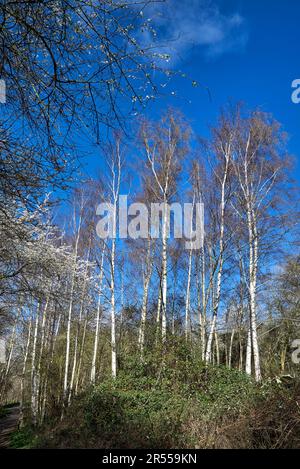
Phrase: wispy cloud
(184,25)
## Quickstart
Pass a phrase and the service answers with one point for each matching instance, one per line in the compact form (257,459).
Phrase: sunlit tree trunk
(203,307)
(82,301)
(230,348)
(249,352)
(98,317)
(158,311)
(253,261)
(10,354)
(34,383)
(26,352)
(147,278)
(164,276)
(115,168)
(54,335)
(221,258)
(253,256)
(187,299)
(163,146)
(69,320)
(113,314)
(81,354)
(41,350)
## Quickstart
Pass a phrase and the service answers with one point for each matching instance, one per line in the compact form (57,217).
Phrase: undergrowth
(176,402)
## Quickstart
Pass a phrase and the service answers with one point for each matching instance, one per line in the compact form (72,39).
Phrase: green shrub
(179,403)
(23,438)
(135,418)
(136,410)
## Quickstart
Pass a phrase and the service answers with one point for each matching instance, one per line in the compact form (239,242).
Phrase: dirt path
(8,424)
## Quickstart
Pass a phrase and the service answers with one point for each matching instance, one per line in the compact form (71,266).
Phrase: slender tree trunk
(96,339)
(217,347)
(53,336)
(249,352)
(11,349)
(256,356)
(241,351)
(71,387)
(116,166)
(158,313)
(34,383)
(24,373)
(173,304)
(42,345)
(253,260)
(283,358)
(81,355)
(230,348)
(147,278)
(113,312)
(204,303)
(69,320)
(67,359)
(221,260)
(164,274)
(187,300)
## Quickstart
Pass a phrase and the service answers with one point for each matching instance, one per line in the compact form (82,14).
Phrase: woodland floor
(8,424)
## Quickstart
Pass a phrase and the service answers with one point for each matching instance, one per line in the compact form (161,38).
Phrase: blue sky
(241,50)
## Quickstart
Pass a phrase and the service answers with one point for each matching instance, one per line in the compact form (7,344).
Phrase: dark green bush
(178,402)
(135,418)
(23,438)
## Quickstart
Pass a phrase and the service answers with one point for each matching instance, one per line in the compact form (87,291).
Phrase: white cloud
(183,25)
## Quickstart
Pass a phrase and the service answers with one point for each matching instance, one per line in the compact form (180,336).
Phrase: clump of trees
(77,308)
(74,308)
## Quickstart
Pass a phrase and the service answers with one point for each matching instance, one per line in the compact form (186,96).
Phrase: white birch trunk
(253,280)
(8,363)
(221,258)
(217,347)
(187,300)
(158,313)
(147,278)
(24,373)
(113,314)
(203,312)
(71,386)
(34,387)
(81,355)
(96,340)
(69,320)
(249,353)
(230,348)
(164,274)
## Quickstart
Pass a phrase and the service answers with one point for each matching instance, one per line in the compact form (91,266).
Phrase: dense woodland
(139,342)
